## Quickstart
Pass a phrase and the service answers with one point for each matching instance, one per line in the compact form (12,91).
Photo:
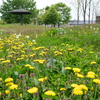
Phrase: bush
(56,31)
(2,22)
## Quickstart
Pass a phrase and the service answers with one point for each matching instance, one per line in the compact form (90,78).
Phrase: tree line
(89,8)
(56,14)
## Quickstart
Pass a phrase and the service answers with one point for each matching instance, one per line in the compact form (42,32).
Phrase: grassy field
(46,63)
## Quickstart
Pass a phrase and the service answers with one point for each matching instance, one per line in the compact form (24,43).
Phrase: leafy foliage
(51,16)
(55,14)
(10,5)
(64,12)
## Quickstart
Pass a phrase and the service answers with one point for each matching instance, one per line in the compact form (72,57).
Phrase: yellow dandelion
(62,89)
(14,86)
(80,75)
(80,50)
(74,85)
(32,90)
(0,79)
(84,87)
(70,49)
(91,73)
(91,52)
(20,95)
(90,76)
(92,88)
(41,79)
(7,92)
(96,81)
(31,67)
(76,70)
(67,67)
(1,59)
(27,65)
(9,79)
(50,93)
(6,61)
(45,78)
(9,84)
(93,62)
(39,61)
(78,92)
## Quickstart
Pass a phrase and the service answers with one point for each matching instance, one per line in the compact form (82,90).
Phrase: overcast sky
(43,3)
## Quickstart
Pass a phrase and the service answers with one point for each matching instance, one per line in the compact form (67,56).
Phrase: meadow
(46,63)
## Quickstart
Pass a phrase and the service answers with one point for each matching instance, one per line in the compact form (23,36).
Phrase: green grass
(24,29)
(46,58)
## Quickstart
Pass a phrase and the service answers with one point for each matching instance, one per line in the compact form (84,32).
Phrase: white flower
(22,43)
(17,36)
(33,40)
(27,36)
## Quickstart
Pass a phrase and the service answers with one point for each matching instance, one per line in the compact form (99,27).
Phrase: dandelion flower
(91,73)
(84,87)
(96,81)
(74,85)
(91,52)
(62,89)
(93,62)
(14,86)
(27,65)
(67,67)
(76,70)
(50,93)
(32,90)
(0,79)
(42,79)
(0,93)
(90,76)
(80,50)
(9,79)
(78,92)
(6,61)
(7,92)
(80,75)
(9,84)
(20,95)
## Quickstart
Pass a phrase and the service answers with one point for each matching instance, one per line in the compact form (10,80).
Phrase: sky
(43,3)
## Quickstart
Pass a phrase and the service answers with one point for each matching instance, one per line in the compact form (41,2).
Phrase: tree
(88,4)
(95,9)
(40,16)
(10,5)
(51,16)
(78,10)
(77,7)
(89,8)
(64,12)
(47,7)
